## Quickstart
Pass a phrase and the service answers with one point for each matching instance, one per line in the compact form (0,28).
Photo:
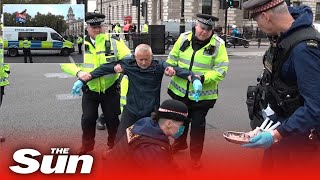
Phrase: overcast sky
(57,9)
(91,4)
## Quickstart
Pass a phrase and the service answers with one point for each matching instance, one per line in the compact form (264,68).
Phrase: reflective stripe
(88,52)
(205,93)
(205,66)
(197,64)
(108,75)
(223,64)
(100,52)
(219,70)
(88,65)
(175,85)
(123,97)
(172,57)
(3,79)
(111,59)
(115,50)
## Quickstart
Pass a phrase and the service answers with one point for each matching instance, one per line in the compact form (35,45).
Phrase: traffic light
(143,8)
(233,4)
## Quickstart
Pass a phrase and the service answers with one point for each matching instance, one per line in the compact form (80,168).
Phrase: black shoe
(2,139)
(106,153)
(83,151)
(100,125)
(196,164)
(178,146)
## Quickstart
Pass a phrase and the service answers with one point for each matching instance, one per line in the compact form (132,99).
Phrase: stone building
(75,26)
(170,10)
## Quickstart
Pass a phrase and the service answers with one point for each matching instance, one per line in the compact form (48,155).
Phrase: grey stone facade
(165,10)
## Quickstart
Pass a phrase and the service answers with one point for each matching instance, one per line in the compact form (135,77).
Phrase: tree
(56,22)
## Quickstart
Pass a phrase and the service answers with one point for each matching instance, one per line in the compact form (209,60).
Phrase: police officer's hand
(118,69)
(76,88)
(169,71)
(81,74)
(263,140)
(86,77)
(197,87)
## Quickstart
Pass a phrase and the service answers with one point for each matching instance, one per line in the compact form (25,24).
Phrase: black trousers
(80,48)
(1,94)
(296,152)
(127,119)
(26,53)
(110,105)
(197,132)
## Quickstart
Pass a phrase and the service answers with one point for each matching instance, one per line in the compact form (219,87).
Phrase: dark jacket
(144,84)
(302,67)
(144,148)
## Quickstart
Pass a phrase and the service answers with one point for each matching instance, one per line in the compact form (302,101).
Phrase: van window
(39,36)
(55,36)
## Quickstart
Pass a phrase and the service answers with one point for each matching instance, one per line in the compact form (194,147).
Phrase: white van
(42,38)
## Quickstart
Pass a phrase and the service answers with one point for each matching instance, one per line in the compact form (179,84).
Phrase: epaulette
(218,39)
(115,37)
(312,43)
(130,136)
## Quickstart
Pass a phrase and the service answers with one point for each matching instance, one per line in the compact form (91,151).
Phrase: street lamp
(109,13)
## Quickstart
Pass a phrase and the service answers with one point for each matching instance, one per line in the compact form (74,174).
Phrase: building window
(246,13)
(318,11)
(296,3)
(128,7)
(122,10)
(207,7)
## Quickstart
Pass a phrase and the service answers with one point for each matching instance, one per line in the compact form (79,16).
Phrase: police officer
(290,86)
(80,42)
(203,53)
(26,50)
(4,72)
(100,48)
(146,145)
(145,28)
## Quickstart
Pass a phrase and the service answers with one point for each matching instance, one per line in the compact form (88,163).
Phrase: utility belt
(86,89)
(283,103)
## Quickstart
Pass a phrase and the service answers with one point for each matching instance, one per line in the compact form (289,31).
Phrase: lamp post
(182,22)
(109,13)
(101,7)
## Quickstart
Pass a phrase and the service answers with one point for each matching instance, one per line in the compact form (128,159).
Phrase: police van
(41,38)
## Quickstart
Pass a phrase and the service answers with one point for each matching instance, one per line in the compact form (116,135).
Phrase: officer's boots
(101,125)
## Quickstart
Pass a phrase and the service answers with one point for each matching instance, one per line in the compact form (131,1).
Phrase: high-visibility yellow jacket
(26,43)
(211,62)
(79,40)
(124,85)
(145,28)
(107,49)
(4,68)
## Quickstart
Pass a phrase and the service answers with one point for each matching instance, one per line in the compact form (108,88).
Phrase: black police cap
(258,6)
(94,18)
(206,20)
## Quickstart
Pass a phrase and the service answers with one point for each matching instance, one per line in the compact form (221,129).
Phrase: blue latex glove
(197,86)
(76,88)
(263,140)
